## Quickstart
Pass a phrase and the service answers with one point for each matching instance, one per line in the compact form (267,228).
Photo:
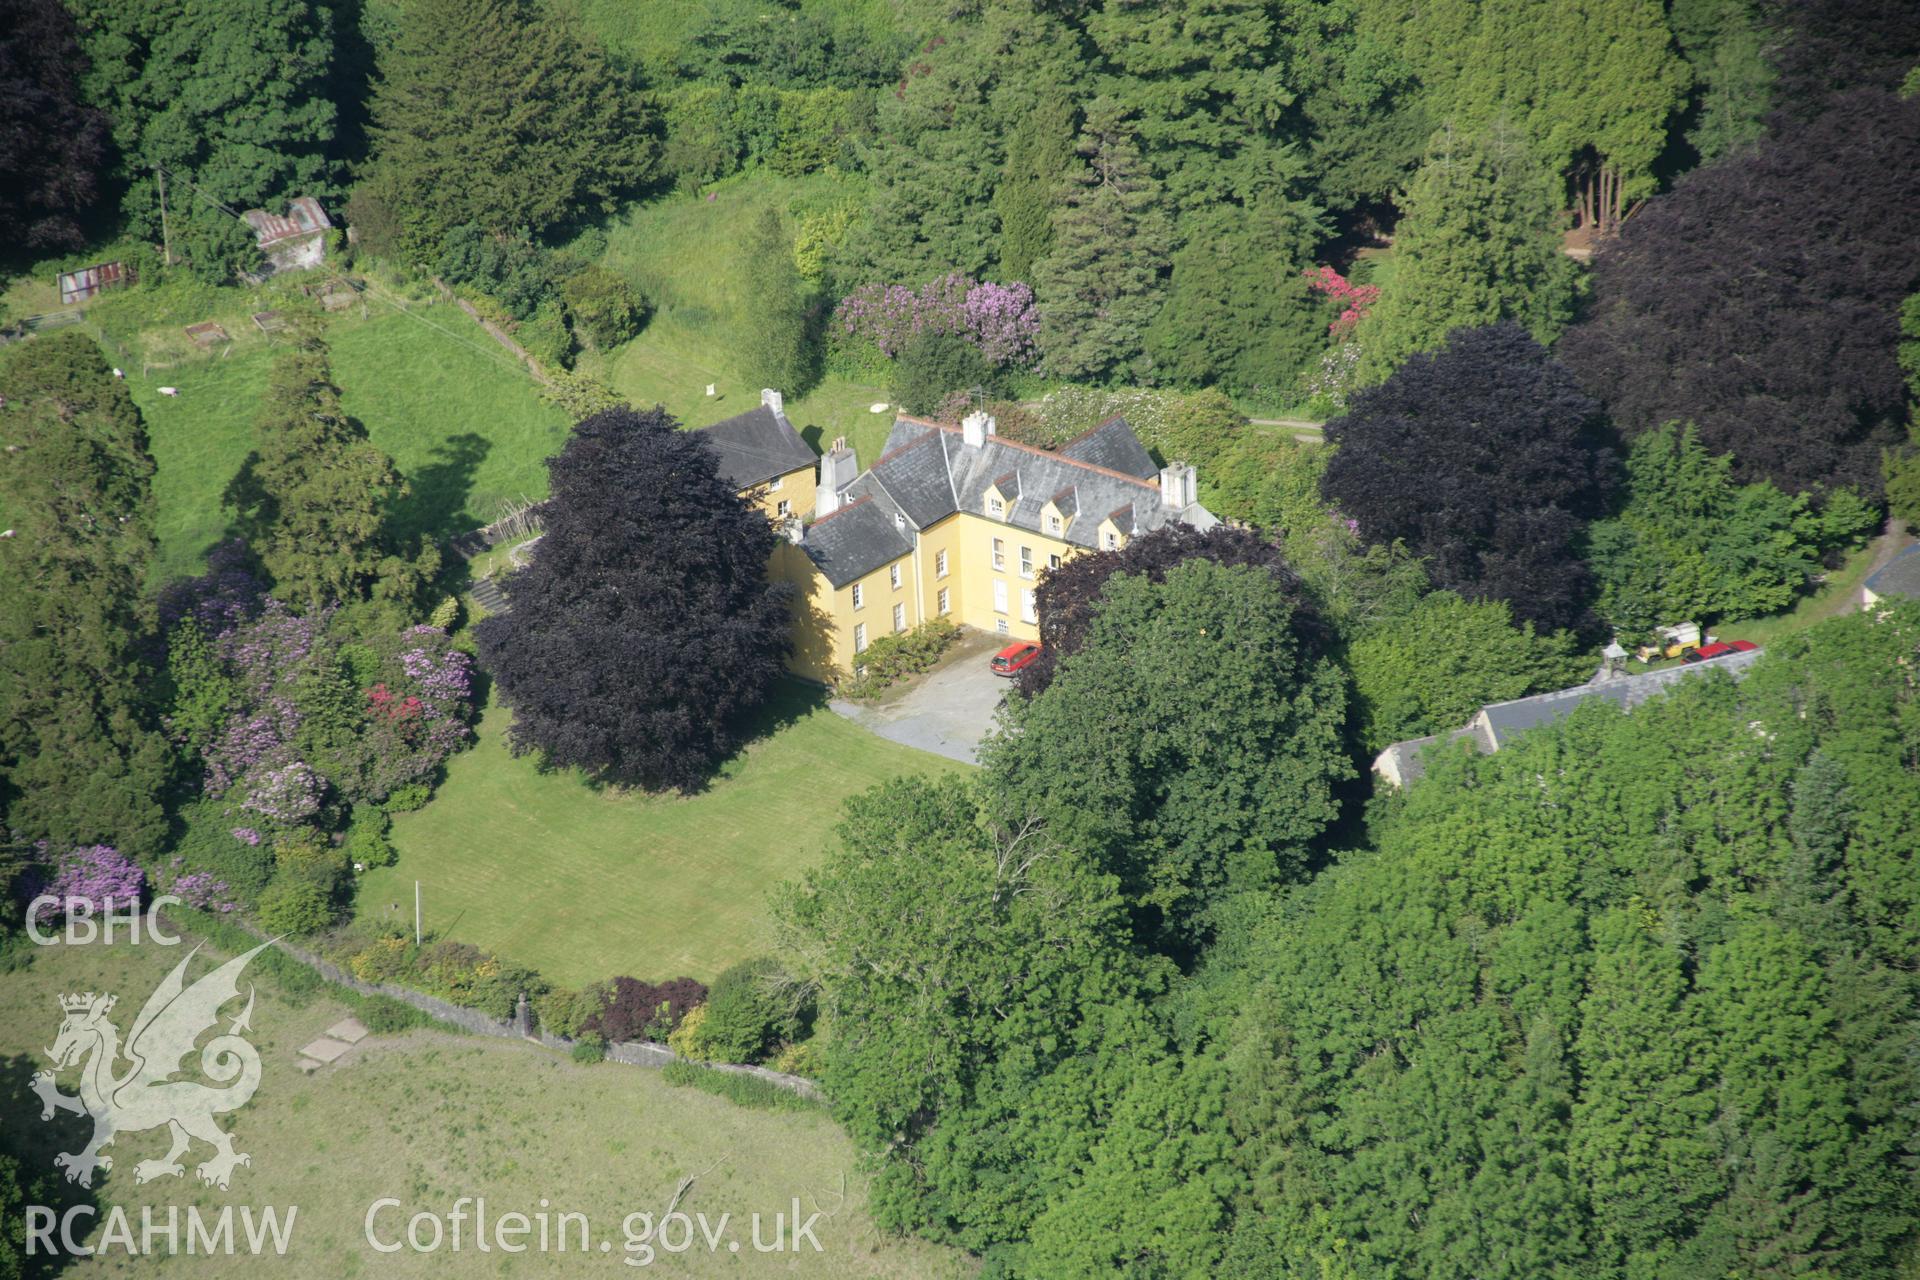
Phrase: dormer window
(1053,524)
(899,520)
(1111,540)
(996,506)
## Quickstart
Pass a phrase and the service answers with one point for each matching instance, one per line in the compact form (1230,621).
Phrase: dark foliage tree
(315,498)
(1760,300)
(81,761)
(634,1010)
(1826,47)
(235,98)
(1069,595)
(53,145)
(1487,460)
(643,635)
(462,136)
(1191,743)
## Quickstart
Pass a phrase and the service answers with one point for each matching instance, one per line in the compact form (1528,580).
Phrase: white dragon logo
(146,1096)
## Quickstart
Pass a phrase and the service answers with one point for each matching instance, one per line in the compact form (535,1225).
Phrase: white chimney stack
(773,400)
(975,428)
(839,467)
(1179,486)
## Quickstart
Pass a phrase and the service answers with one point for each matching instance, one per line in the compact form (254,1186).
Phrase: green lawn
(585,884)
(427,1117)
(680,252)
(464,426)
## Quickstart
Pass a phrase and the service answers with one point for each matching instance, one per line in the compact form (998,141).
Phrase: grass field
(427,1117)
(680,252)
(463,425)
(585,884)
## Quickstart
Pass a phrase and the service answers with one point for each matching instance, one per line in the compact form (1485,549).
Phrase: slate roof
(928,472)
(1504,720)
(852,542)
(1498,723)
(1900,576)
(1112,445)
(756,446)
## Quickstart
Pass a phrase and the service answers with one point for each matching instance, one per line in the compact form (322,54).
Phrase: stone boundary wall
(634,1053)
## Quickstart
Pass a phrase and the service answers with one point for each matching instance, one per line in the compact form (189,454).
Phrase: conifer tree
(314,497)
(80,759)
(501,114)
(1476,245)
(1039,150)
(1101,285)
(1239,313)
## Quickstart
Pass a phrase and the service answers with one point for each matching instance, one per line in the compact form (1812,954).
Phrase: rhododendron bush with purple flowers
(999,319)
(294,722)
(98,875)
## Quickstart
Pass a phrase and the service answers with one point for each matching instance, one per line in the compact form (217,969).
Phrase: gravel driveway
(947,710)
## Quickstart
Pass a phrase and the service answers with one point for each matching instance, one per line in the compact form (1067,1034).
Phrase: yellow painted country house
(949,521)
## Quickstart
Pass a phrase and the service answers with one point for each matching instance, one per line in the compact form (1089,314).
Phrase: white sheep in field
(169,391)
(118,374)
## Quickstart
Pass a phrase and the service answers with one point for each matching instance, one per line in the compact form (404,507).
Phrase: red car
(1720,650)
(1009,660)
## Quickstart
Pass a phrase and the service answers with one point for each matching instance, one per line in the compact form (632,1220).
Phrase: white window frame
(1028,610)
(999,553)
(893,576)
(996,506)
(999,595)
(1000,625)
(773,485)
(859,637)
(1112,541)
(783,508)
(940,563)
(1026,562)
(859,597)
(1053,524)
(1053,560)
(900,617)
(944,600)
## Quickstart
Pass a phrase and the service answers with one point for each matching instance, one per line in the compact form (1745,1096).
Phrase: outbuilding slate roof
(756,446)
(852,542)
(928,472)
(1900,576)
(1503,720)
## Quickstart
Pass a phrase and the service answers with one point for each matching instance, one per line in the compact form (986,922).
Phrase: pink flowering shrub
(1354,299)
(1000,320)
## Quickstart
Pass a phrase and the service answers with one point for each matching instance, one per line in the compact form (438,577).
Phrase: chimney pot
(975,428)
